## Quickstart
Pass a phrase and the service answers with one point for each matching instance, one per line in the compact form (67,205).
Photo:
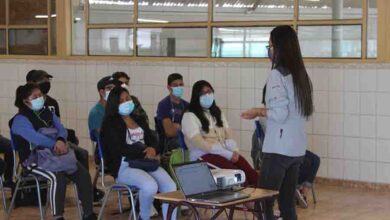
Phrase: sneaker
(97,195)
(301,199)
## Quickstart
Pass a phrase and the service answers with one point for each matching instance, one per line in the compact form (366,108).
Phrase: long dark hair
(22,93)
(113,102)
(197,109)
(287,55)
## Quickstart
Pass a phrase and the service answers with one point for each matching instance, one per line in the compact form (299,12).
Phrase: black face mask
(45,87)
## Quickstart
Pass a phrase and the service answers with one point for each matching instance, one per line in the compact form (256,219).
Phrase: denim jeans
(148,183)
(279,172)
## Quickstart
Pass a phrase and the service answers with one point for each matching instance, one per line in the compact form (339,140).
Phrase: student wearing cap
(43,80)
(125,82)
(170,112)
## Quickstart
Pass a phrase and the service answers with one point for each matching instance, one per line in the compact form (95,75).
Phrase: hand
(150,153)
(263,112)
(235,157)
(60,147)
(250,114)
(177,126)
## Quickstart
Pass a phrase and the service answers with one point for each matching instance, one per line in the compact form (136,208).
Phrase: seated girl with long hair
(126,138)
(208,135)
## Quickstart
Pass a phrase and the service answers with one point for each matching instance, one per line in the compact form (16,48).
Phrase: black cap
(37,75)
(107,81)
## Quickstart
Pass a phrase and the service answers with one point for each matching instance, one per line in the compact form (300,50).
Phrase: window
(330,9)
(250,10)
(110,41)
(240,42)
(172,42)
(338,41)
(29,27)
(172,11)
(222,28)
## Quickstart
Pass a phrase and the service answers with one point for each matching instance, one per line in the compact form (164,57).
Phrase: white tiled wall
(350,129)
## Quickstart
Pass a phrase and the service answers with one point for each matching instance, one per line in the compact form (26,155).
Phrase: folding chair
(120,188)
(25,176)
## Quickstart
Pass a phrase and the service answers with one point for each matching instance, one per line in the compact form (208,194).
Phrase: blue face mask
(206,101)
(178,91)
(37,104)
(126,108)
(270,54)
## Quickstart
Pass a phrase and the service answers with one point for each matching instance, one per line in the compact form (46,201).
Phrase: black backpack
(29,196)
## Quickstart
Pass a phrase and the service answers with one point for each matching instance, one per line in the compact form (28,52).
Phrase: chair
(23,177)
(3,197)
(131,190)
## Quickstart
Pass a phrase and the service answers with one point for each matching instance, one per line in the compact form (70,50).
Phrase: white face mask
(106,95)
(125,86)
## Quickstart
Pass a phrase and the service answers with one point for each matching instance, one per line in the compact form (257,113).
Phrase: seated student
(96,114)
(6,149)
(170,112)
(208,135)
(27,124)
(43,80)
(127,137)
(307,173)
(125,80)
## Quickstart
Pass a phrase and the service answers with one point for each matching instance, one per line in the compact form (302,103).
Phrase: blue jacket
(285,134)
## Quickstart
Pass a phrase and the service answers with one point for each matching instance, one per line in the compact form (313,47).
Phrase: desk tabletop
(254,194)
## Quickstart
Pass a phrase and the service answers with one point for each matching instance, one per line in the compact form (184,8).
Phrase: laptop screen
(195,178)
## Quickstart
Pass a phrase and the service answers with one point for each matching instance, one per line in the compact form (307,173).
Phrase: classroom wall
(350,128)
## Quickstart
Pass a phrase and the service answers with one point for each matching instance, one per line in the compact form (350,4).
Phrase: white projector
(227,178)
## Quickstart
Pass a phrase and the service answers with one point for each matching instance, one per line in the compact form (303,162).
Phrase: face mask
(206,101)
(45,87)
(106,95)
(126,108)
(125,86)
(178,91)
(37,104)
(270,54)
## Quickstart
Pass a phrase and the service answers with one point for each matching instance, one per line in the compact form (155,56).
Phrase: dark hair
(287,55)
(23,92)
(113,102)
(174,76)
(118,75)
(197,109)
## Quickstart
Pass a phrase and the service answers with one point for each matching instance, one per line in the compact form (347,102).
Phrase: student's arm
(163,114)
(277,98)
(22,126)
(62,133)
(191,128)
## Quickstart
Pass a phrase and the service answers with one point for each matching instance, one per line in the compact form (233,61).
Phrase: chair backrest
(97,140)
(13,145)
(259,130)
(257,145)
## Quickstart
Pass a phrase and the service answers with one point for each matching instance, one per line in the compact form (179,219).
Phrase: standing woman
(289,104)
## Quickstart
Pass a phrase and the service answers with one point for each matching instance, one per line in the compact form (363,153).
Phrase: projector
(227,178)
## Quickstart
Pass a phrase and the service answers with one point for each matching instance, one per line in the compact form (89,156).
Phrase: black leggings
(279,172)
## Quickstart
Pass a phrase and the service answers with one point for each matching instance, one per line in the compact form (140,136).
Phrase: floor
(334,203)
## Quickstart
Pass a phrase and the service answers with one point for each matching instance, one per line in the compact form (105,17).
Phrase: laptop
(197,184)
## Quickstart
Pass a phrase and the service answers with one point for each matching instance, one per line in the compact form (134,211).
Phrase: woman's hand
(60,147)
(150,153)
(235,157)
(263,112)
(250,114)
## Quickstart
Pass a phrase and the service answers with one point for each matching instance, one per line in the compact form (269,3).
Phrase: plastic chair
(26,176)
(131,190)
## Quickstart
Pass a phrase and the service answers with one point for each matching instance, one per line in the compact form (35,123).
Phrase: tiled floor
(334,203)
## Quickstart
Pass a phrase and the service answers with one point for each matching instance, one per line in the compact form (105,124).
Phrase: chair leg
(120,202)
(78,202)
(133,204)
(104,203)
(3,197)
(39,199)
(11,205)
(314,194)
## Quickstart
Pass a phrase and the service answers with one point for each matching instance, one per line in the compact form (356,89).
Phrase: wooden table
(175,199)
